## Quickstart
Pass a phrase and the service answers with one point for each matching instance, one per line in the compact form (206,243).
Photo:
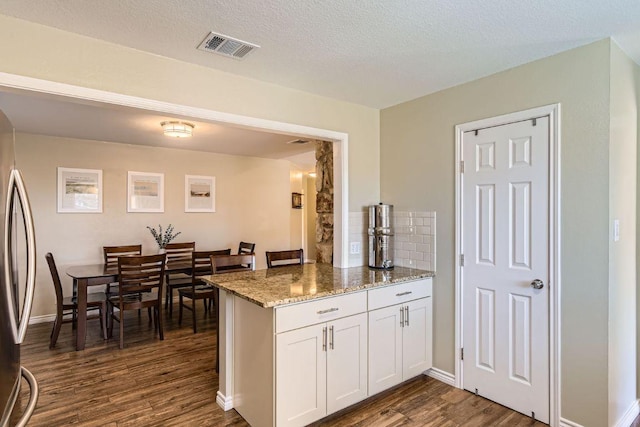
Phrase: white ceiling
(371,52)
(376,53)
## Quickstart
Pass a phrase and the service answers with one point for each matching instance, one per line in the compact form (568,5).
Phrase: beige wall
(418,173)
(250,194)
(622,256)
(95,64)
(296,230)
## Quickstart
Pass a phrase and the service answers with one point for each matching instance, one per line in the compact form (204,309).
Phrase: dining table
(99,274)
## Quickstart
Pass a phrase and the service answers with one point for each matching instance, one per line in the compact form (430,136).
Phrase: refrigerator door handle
(15,181)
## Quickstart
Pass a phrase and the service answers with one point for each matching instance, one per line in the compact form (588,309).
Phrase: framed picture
(145,192)
(79,190)
(296,200)
(199,193)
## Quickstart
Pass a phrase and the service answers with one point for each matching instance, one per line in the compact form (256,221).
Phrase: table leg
(81,332)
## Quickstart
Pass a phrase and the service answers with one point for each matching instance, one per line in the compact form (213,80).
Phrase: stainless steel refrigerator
(17,281)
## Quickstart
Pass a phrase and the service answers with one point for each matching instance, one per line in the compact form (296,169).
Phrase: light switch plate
(355,248)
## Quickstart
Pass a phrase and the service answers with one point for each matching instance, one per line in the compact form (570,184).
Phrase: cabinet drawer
(318,311)
(397,294)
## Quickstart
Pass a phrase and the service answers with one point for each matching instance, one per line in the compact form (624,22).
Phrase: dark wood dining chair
(284,258)
(246,248)
(199,290)
(111,254)
(177,254)
(69,306)
(141,279)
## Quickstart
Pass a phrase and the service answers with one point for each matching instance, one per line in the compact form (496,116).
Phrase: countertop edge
(303,298)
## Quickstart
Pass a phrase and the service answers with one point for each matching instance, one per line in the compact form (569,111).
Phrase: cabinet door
(346,362)
(417,338)
(385,348)
(301,376)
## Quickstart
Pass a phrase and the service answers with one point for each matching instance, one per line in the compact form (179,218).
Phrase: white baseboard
(443,376)
(566,423)
(630,415)
(225,403)
(42,319)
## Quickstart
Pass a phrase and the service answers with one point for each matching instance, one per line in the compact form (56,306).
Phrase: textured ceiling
(371,52)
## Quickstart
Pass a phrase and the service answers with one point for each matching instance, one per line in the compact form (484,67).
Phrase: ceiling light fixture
(177,129)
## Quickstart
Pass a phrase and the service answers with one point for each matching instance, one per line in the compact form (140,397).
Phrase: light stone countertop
(287,285)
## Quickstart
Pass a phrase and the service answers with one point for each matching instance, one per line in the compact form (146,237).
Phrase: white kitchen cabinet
(400,340)
(320,369)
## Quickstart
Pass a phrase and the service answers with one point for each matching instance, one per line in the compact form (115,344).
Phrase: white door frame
(340,139)
(553,111)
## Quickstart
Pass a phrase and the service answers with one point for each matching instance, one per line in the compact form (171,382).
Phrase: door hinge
(461,260)
(462,353)
(535,121)
(461,166)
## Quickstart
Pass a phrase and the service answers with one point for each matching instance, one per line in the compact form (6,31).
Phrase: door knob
(537,284)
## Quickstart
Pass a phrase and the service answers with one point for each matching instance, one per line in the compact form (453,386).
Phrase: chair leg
(57,323)
(193,315)
(204,303)
(180,315)
(170,290)
(109,321)
(122,329)
(103,320)
(159,318)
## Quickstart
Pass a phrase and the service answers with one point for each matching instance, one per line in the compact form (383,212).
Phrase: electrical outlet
(355,248)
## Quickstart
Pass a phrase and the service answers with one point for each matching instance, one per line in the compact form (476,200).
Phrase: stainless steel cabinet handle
(401,317)
(328,310)
(406,315)
(537,284)
(331,337)
(324,339)
(401,294)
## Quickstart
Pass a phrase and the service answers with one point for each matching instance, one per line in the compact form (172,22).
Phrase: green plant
(162,238)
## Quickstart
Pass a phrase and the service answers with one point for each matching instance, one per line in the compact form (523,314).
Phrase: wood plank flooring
(173,383)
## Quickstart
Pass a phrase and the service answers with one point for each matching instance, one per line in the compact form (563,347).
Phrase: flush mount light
(177,129)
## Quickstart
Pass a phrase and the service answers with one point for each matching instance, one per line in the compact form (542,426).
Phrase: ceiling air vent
(298,141)
(227,46)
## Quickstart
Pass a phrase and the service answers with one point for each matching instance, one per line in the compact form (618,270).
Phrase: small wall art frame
(199,193)
(145,192)
(79,190)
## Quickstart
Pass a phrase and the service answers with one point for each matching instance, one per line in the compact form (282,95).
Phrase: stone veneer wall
(324,201)
(414,239)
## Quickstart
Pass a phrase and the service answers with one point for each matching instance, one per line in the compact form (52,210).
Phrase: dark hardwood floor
(173,383)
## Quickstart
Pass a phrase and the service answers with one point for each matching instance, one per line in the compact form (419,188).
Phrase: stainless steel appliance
(381,236)
(17,280)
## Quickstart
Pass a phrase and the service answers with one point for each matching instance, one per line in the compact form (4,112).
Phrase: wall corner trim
(442,376)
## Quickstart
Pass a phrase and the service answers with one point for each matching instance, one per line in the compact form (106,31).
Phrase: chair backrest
(231,263)
(57,285)
(201,262)
(141,274)
(246,248)
(111,253)
(179,253)
(283,258)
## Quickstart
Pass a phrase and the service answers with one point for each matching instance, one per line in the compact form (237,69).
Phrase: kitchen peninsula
(298,343)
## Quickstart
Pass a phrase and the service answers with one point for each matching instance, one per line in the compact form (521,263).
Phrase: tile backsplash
(414,239)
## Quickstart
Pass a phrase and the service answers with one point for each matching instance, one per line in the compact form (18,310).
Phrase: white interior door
(505,243)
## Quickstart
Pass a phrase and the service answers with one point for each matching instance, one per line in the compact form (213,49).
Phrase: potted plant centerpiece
(163,237)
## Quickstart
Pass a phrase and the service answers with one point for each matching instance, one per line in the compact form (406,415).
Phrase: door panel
(385,348)
(505,229)
(301,376)
(346,362)
(416,347)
